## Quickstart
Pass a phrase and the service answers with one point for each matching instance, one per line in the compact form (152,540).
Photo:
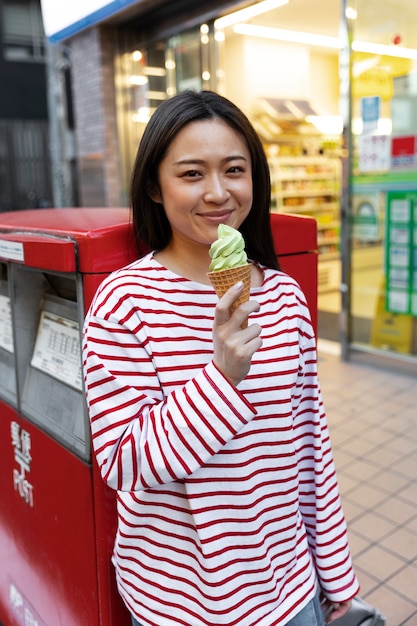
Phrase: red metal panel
(293,234)
(103,237)
(303,268)
(295,242)
(47,535)
(43,252)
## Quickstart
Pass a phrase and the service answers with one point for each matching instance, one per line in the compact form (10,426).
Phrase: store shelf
(311,186)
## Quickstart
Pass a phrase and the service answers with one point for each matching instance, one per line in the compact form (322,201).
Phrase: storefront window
(141,84)
(384,189)
(147,74)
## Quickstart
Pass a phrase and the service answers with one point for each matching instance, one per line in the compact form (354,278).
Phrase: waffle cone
(224,279)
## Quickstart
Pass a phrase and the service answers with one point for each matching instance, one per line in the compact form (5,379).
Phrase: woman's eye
(235,169)
(191,174)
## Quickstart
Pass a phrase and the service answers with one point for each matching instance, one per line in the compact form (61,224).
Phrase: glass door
(384,183)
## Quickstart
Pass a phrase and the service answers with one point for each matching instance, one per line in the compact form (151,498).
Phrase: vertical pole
(345,74)
(59,135)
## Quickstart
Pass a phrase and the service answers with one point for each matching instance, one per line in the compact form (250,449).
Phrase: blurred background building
(25,180)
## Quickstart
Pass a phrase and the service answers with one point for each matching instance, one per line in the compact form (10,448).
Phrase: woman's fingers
(234,347)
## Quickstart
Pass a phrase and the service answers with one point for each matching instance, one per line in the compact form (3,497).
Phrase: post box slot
(49,356)
(7,357)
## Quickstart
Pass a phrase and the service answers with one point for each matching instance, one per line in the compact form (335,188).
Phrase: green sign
(401,252)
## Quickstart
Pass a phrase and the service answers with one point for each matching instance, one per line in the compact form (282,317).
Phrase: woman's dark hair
(151,227)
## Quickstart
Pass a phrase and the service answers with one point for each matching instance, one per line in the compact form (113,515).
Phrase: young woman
(214,436)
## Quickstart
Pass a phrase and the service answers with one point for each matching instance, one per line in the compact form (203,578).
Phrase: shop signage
(366,218)
(401,253)
(374,153)
(370,110)
(404,152)
(390,331)
(371,82)
(65,18)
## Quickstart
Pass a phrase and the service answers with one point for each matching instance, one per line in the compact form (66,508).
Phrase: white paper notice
(12,250)
(374,153)
(6,336)
(57,349)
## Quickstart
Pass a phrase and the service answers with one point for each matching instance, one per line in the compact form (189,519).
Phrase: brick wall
(92,59)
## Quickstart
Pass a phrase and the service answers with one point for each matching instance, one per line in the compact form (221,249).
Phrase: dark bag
(361,614)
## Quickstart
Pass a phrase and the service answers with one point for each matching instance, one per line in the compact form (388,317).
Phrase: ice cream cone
(224,279)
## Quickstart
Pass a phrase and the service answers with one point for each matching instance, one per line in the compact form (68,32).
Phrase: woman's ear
(154,193)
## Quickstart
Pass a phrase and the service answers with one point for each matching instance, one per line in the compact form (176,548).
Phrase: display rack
(310,185)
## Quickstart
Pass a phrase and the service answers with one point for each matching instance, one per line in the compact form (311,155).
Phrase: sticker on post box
(6,336)
(57,349)
(23,457)
(12,250)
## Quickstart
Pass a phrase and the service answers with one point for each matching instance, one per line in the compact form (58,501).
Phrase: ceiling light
(351,13)
(154,71)
(287,35)
(391,51)
(324,41)
(138,80)
(137,55)
(248,13)
(326,124)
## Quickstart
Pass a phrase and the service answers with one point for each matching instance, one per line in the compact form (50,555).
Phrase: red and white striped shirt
(228,505)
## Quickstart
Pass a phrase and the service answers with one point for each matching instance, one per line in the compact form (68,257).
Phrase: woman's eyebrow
(191,161)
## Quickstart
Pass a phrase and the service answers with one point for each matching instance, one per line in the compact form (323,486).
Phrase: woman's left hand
(335,610)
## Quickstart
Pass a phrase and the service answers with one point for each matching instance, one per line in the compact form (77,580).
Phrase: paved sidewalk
(372,415)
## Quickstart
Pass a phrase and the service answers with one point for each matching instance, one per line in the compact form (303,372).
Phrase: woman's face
(205,179)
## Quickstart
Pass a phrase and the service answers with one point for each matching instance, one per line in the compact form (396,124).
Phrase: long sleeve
(320,503)
(141,437)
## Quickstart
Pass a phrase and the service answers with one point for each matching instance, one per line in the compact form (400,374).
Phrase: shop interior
(289,86)
(279,61)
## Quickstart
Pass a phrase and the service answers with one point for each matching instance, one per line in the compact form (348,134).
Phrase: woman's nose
(216,190)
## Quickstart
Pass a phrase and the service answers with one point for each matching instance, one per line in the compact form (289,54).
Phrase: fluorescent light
(248,13)
(138,80)
(326,124)
(324,41)
(384,126)
(142,116)
(391,51)
(154,71)
(293,36)
(351,13)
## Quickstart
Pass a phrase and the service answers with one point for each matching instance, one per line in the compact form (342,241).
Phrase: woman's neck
(191,262)
(194,264)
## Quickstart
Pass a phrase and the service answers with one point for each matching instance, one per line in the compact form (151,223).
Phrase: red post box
(57,518)
(295,241)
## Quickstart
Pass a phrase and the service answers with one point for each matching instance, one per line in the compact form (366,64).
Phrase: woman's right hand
(234,347)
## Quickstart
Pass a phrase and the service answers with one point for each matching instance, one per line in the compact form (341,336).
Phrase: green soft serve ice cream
(228,251)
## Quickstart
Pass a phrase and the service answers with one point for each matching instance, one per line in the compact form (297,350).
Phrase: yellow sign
(373,74)
(391,331)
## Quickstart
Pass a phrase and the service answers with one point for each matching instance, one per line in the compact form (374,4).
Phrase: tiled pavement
(372,415)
